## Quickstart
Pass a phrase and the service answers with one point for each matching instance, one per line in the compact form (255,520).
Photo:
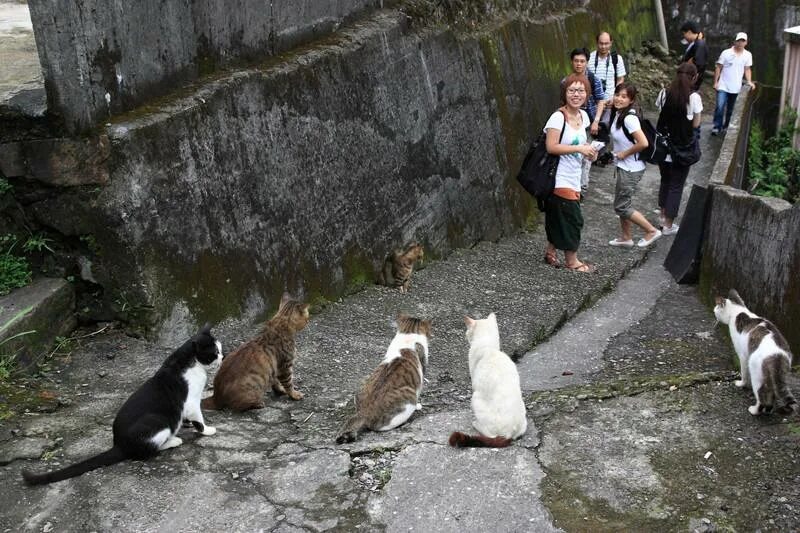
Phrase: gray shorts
(627,182)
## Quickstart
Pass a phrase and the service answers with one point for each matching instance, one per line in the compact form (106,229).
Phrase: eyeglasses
(576,91)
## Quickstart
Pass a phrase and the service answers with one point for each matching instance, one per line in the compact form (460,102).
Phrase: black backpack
(538,172)
(658,145)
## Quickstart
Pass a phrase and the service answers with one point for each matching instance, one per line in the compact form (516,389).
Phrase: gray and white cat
(496,396)
(764,356)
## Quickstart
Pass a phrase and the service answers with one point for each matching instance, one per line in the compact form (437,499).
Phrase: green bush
(774,163)
(14,270)
(5,186)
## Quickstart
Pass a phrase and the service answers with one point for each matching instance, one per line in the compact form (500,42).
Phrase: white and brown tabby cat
(262,362)
(496,395)
(149,420)
(390,395)
(764,356)
(399,265)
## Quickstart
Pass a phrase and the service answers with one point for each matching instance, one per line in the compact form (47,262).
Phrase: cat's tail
(776,376)
(462,440)
(209,403)
(108,458)
(351,429)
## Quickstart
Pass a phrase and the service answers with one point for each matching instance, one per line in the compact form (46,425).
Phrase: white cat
(496,396)
(764,356)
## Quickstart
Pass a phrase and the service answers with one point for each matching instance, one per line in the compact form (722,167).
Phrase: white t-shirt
(733,65)
(568,174)
(605,72)
(695,105)
(621,142)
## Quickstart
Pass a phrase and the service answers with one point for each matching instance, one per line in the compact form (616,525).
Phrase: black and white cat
(764,356)
(150,419)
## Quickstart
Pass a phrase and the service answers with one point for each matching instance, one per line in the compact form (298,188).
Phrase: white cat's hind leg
(754,409)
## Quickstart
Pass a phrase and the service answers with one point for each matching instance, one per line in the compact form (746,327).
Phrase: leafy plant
(37,243)
(14,270)
(774,163)
(5,186)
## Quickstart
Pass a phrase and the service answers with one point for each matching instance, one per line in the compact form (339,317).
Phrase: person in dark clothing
(696,51)
(680,114)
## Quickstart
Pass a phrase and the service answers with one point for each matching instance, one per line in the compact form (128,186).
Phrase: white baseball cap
(741,36)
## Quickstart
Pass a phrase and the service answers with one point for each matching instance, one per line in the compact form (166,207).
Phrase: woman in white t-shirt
(566,138)
(629,140)
(680,115)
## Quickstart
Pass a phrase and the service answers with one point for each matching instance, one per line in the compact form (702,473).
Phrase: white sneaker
(644,243)
(672,230)
(623,244)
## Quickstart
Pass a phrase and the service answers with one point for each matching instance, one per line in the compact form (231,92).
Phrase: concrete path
(634,423)
(21,83)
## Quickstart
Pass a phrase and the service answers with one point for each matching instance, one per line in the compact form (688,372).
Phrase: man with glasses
(595,102)
(607,65)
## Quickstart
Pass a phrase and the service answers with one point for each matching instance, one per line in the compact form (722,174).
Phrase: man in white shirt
(732,65)
(608,67)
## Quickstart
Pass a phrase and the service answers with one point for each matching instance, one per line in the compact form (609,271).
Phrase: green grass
(14,269)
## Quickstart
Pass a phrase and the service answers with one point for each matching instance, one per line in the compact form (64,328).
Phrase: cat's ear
(719,300)
(468,321)
(492,317)
(735,298)
(305,309)
(285,298)
(206,329)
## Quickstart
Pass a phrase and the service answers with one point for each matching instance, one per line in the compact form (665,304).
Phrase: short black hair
(579,52)
(690,26)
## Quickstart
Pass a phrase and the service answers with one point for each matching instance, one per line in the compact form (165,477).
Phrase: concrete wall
(752,243)
(721,20)
(303,173)
(101,58)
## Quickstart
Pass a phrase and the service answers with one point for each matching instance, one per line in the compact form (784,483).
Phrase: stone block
(32,317)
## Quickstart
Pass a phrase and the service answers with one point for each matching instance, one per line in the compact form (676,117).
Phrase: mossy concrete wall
(101,58)
(303,172)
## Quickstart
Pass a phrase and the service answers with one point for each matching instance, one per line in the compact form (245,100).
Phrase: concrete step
(32,317)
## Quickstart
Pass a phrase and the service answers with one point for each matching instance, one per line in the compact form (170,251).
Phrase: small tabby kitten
(496,395)
(391,393)
(398,266)
(149,420)
(262,362)
(764,356)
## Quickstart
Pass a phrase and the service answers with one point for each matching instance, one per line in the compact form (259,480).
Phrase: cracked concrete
(625,401)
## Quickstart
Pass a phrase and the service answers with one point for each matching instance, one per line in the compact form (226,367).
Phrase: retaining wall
(303,172)
(752,243)
(100,58)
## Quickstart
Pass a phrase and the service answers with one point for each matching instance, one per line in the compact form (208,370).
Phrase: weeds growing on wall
(774,163)
(14,269)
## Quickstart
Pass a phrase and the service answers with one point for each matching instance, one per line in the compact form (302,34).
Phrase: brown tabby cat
(398,266)
(391,393)
(266,360)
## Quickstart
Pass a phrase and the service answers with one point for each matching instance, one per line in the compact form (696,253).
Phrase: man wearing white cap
(732,64)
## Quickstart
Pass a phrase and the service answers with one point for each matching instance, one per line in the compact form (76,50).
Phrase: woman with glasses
(566,138)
